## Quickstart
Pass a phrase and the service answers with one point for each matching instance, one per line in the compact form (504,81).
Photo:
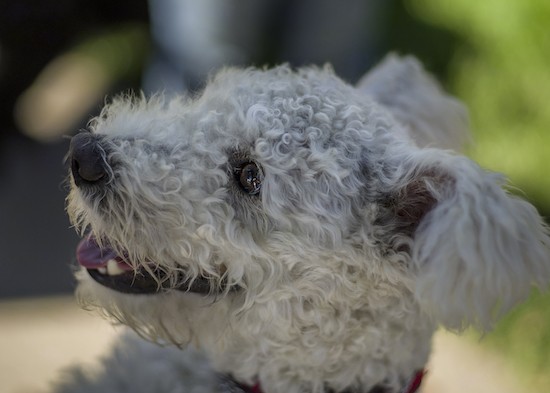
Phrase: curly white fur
(362,240)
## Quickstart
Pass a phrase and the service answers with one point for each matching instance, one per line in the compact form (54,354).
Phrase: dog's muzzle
(90,169)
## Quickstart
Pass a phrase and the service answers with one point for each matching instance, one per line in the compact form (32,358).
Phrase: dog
(286,232)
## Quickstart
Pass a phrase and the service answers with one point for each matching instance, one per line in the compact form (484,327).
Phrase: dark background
(36,241)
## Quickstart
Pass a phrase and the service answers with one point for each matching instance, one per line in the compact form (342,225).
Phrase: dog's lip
(106,267)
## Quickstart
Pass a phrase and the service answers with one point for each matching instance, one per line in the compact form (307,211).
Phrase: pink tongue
(91,256)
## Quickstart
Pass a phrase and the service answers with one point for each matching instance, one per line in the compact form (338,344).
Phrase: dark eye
(250,178)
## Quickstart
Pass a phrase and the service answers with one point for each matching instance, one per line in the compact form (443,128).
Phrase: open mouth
(109,269)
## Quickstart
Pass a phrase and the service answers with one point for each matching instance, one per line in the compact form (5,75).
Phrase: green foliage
(502,71)
(524,336)
(120,51)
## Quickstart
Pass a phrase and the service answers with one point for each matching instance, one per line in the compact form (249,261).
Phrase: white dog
(295,233)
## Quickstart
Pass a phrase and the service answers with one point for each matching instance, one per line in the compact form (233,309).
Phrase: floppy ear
(476,250)
(430,116)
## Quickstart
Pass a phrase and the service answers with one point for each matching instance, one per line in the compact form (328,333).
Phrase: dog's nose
(88,164)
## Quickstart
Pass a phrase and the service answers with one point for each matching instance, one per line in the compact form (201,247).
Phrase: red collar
(412,386)
(252,389)
(415,382)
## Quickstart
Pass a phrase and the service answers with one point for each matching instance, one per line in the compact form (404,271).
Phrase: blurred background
(59,60)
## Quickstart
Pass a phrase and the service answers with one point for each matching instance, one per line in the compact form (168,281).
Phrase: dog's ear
(431,117)
(475,249)
(404,206)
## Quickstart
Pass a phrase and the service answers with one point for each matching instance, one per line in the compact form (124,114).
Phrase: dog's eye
(249,177)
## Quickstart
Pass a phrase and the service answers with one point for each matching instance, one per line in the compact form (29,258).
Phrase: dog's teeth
(102,270)
(113,269)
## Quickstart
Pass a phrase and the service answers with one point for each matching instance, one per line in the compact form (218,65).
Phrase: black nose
(88,164)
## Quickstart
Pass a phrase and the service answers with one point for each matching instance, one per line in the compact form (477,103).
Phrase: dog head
(281,215)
